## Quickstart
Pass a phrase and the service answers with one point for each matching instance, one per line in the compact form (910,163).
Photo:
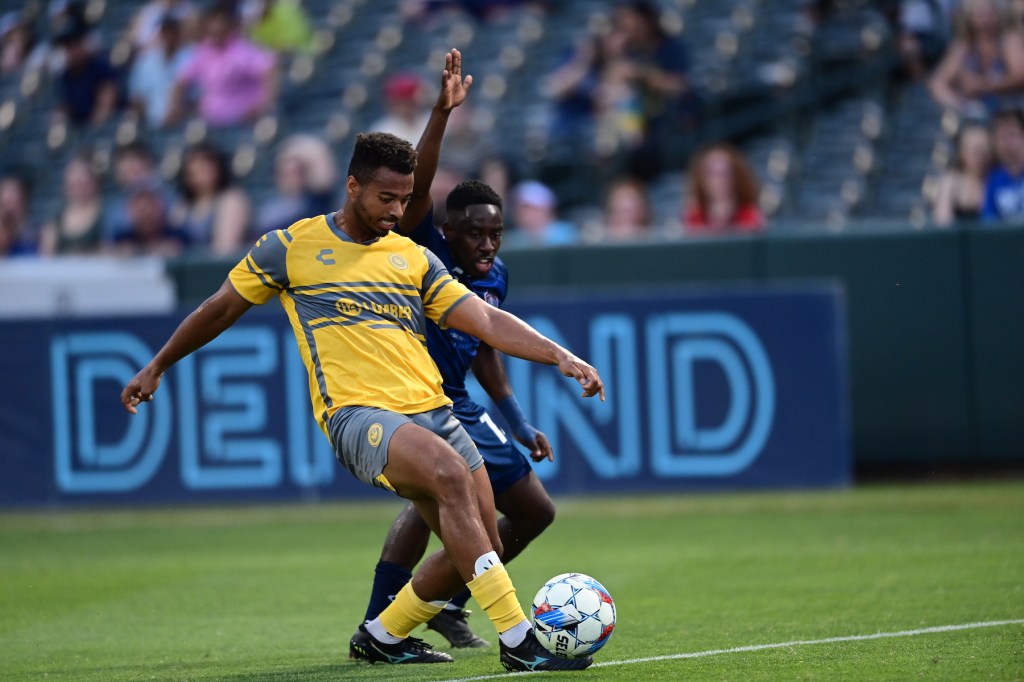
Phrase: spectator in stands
(152,77)
(88,83)
(61,19)
(144,30)
(149,232)
(77,227)
(534,218)
(658,67)
(571,87)
(304,176)
(1004,189)
(922,32)
(134,166)
(17,43)
(597,109)
(211,210)
(723,194)
(416,11)
(961,191)
(984,66)
(236,80)
(1017,11)
(281,26)
(627,214)
(405,114)
(15,234)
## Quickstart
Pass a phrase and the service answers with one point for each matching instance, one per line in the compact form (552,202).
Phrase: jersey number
(486,419)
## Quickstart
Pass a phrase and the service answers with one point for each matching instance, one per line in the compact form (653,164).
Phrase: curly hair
(470,193)
(745,184)
(380,150)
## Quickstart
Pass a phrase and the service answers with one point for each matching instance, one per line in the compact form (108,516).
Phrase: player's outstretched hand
(454,87)
(140,389)
(587,376)
(537,442)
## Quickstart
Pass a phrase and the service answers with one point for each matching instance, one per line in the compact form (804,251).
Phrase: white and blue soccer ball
(573,615)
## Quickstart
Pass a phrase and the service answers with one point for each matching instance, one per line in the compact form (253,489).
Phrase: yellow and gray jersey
(358,312)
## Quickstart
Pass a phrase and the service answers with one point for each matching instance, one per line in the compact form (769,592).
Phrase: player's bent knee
(449,479)
(537,516)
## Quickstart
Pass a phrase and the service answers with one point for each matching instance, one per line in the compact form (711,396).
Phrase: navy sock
(459,600)
(388,579)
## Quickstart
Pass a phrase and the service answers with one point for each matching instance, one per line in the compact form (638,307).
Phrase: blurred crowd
(614,98)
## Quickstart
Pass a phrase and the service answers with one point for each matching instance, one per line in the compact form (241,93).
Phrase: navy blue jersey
(452,350)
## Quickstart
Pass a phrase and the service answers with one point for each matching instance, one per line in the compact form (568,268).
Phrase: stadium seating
(831,137)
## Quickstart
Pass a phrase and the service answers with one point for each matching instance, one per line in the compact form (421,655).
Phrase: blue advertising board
(710,389)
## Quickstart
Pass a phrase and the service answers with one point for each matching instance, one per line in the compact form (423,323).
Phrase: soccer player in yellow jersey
(357,296)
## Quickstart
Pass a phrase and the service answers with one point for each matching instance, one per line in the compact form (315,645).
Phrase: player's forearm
(428,153)
(489,370)
(512,336)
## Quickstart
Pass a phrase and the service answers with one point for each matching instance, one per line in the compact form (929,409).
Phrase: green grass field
(273,593)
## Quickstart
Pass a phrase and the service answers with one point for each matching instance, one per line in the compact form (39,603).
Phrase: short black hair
(1010,114)
(469,193)
(374,151)
(137,148)
(217,157)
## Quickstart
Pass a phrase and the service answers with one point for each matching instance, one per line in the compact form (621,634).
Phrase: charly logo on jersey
(398,262)
(374,434)
(323,256)
(489,297)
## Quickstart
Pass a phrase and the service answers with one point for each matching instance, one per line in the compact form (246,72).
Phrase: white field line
(777,645)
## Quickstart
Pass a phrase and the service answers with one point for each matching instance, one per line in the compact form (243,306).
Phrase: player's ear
(448,230)
(352,186)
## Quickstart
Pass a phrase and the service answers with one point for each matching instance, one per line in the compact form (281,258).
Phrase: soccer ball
(573,615)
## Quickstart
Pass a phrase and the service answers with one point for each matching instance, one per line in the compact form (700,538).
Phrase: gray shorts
(361,435)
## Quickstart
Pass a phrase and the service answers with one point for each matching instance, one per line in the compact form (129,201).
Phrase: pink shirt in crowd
(233,80)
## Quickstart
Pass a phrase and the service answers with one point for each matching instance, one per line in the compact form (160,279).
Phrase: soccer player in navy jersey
(468,247)
(358,298)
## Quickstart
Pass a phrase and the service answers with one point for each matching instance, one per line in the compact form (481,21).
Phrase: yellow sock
(406,612)
(494,591)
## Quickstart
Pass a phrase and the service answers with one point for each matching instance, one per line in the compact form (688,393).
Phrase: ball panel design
(573,615)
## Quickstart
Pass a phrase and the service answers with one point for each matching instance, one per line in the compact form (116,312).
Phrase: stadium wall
(936,324)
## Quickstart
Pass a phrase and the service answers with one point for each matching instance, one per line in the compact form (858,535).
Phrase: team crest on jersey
(374,434)
(398,262)
(491,298)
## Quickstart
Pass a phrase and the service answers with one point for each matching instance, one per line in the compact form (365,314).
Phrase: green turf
(273,593)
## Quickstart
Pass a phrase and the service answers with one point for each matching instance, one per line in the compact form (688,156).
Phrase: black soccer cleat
(453,625)
(364,647)
(531,656)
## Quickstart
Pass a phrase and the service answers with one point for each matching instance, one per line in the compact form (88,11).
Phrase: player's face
(475,238)
(380,203)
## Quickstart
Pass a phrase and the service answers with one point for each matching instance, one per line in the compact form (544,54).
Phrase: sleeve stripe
(452,307)
(266,281)
(433,291)
(346,285)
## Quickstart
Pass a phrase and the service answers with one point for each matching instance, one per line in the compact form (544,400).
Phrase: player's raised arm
(203,325)
(512,336)
(454,89)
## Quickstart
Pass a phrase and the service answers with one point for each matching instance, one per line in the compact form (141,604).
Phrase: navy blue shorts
(506,465)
